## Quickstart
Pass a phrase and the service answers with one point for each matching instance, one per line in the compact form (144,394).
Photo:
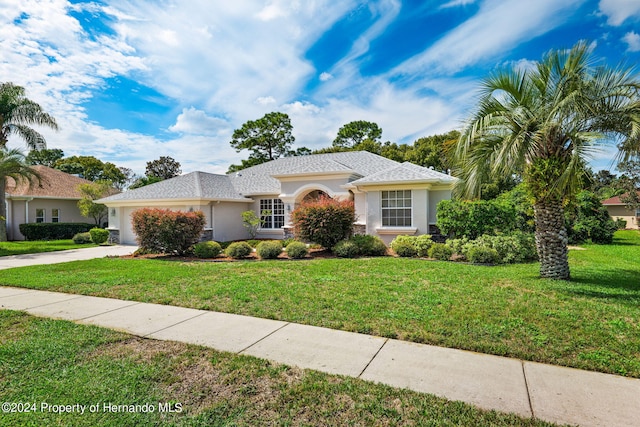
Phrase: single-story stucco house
(54,199)
(618,210)
(390,198)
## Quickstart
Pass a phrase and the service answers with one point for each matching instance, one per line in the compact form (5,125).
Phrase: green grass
(37,246)
(591,322)
(86,365)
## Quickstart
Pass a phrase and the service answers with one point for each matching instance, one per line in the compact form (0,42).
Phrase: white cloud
(618,11)
(196,122)
(498,27)
(325,76)
(632,39)
(266,100)
(456,3)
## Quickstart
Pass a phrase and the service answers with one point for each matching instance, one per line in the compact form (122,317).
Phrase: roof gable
(615,201)
(406,172)
(54,184)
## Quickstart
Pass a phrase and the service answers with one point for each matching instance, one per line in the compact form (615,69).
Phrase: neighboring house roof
(194,185)
(54,184)
(360,166)
(615,201)
(406,172)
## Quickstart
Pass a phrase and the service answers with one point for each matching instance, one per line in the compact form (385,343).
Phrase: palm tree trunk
(3,210)
(552,240)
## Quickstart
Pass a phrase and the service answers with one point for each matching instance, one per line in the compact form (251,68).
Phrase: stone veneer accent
(114,237)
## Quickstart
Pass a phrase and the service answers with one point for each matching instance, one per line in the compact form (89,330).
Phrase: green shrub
(167,231)
(238,250)
(269,249)
(297,250)
(422,244)
(440,251)
(99,235)
(480,254)
(346,249)
(404,246)
(286,242)
(369,245)
(513,248)
(621,224)
(82,238)
(208,249)
(254,242)
(324,221)
(475,218)
(456,245)
(587,219)
(53,230)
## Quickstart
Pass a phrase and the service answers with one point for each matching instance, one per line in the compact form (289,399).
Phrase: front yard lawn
(36,246)
(592,322)
(85,365)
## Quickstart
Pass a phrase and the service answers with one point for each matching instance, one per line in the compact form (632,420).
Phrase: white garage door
(127,236)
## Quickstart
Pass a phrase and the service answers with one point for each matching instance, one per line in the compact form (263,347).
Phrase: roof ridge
(197,184)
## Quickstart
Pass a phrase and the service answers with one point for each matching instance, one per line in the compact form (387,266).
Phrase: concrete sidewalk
(551,393)
(64,256)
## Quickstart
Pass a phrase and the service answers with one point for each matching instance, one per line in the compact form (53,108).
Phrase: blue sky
(130,81)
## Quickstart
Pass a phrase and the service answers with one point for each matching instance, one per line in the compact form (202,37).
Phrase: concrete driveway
(64,256)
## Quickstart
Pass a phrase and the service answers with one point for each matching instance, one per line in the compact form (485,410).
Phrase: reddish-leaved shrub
(167,231)
(324,221)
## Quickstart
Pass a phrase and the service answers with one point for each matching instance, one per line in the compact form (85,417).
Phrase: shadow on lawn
(613,284)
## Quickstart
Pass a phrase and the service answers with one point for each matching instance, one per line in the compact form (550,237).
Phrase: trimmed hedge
(404,246)
(53,230)
(440,251)
(360,245)
(208,249)
(297,250)
(82,238)
(238,250)
(99,235)
(269,249)
(325,221)
(167,231)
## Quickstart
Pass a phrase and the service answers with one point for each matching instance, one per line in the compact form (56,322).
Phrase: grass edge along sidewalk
(87,365)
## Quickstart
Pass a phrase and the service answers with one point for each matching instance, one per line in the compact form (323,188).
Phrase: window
(55,215)
(39,215)
(637,211)
(396,208)
(271,213)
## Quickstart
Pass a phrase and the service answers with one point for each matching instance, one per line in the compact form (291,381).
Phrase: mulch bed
(313,254)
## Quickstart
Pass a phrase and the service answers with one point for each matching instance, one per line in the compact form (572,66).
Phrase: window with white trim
(637,211)
(55,215)
(396,208)
(271,213)
(39,215)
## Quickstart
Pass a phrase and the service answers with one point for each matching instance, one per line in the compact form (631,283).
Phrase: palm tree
(545,123)
(13,164)
(17,115)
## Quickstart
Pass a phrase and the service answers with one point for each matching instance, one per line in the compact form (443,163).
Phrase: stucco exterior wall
(21,212)
(227,221)
(623,213)
(435,197)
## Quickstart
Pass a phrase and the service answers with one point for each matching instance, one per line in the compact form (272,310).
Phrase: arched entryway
(315,195)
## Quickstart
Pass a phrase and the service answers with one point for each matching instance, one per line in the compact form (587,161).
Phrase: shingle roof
(194,185)
(406,172)
(54,184)
(614,201)
(259,179)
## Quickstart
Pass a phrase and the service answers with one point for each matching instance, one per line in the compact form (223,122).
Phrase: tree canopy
(91,168)
(267,138)
(46,157)
(546,122)
(164,168)
(354,133)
